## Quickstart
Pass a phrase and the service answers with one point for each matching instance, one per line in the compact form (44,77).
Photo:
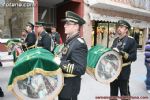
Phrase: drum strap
(125,64)
(33,46)
(69,75)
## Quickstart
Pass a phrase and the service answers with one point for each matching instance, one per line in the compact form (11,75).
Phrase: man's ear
(127,30)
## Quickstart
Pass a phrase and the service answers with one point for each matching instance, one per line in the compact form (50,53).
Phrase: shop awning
(133,22)
(108,4)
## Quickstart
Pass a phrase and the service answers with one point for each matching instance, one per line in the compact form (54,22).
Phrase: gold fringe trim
(14,93)
(50,98)
(32,73)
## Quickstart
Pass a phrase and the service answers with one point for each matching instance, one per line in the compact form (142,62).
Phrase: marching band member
(74,57)
(31,37)
(44,40)
(127,47)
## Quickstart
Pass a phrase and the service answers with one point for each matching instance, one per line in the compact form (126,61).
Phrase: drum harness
(61,52)
(120,45)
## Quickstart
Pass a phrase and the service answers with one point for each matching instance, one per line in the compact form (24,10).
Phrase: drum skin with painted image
(103,64)
(36,76)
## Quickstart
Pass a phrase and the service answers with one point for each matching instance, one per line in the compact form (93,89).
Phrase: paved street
(91,89)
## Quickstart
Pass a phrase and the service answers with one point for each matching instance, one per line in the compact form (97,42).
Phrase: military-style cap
(30,24)
(40,23)
(73,17)
(124,23)
(24,30)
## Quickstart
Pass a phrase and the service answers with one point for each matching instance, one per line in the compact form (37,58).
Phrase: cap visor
(64,20)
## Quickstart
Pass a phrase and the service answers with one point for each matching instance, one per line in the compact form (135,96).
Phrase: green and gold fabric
(14,47)
(14,40)
(33,69)
(95,53)
(103,64)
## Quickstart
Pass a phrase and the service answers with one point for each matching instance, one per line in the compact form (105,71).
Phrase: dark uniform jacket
(44,41)
(30,39)
(73,62)
(56,37)
(128,45)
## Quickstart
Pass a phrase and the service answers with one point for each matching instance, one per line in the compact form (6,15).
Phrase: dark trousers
(119,84)
(1,93)
(0,64)
(147,81)
(73,98)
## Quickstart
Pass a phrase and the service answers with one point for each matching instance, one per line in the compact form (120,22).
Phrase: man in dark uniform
(74,57)
(44,39)
(126,46)
(55,35)
(31,37)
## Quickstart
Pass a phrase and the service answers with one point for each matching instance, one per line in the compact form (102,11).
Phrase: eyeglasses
(38,25)
(70,23)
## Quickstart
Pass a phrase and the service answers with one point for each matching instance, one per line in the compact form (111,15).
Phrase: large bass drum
(36,76)
(104,64)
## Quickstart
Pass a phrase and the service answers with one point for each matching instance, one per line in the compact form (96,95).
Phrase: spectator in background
(55,35)
(147,64)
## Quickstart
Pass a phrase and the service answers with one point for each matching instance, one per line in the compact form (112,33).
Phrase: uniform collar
(72,37)
(122,38)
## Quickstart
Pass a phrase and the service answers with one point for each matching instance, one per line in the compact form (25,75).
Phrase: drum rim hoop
(118,70)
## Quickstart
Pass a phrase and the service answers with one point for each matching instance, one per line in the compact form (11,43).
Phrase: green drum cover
(36,76)
(104,64)
(94,54)
(37,58)
(15,40)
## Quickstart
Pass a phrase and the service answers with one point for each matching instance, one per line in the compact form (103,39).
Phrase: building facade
(101,17)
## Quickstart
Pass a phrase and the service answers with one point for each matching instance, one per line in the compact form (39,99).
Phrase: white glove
(116,49)
(57,60)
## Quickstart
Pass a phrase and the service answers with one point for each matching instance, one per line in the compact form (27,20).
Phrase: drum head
(108,67)
(39,87)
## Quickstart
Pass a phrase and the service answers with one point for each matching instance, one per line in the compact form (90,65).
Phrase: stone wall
(14,19)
